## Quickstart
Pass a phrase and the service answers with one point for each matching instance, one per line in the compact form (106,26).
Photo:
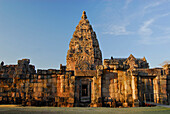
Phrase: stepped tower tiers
(84,52)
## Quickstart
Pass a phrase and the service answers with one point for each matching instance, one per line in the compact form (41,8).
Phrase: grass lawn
(79,110)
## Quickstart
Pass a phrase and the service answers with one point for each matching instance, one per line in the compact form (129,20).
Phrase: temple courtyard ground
(14,109)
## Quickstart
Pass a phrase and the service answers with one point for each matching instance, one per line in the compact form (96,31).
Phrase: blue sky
(41,29)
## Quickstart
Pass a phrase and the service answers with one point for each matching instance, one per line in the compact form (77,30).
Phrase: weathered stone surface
(84,81)
(84,52)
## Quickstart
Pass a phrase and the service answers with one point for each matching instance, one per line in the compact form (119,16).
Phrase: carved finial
(2,63)
(144,59)
(84,15)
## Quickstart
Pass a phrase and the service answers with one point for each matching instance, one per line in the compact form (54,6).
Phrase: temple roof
(84,52)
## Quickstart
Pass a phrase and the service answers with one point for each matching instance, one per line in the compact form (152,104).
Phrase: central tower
(84,52)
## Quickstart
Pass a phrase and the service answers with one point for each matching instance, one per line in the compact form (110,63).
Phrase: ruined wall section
(53,88)
(6,80)
(120,88)
(43,86)
(16,79)
(166,73)
(153,84)
(21,81)
(129,63)
(118,83)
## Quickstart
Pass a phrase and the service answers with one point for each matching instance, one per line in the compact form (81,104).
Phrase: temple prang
(85,81)
(84,52)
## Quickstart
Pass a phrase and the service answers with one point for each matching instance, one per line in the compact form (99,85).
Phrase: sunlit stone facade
(85,80)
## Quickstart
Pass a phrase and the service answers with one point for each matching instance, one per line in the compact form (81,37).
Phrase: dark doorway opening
(84,90)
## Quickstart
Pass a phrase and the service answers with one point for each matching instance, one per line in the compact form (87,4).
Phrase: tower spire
(84,52)
(84,15)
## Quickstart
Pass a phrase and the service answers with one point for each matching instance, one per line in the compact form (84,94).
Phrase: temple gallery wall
(86,80)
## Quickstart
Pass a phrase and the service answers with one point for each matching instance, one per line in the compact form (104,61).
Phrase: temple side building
(86,80)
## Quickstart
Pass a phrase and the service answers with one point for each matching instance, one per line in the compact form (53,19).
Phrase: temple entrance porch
(83,91)
(146,88)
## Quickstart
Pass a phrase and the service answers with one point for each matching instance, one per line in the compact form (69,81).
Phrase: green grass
(79,110)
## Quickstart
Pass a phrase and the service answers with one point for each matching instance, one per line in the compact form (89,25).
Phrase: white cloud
(153,4)
(145,30)
(147,34)
(150,40)
(127,3)
(117,30)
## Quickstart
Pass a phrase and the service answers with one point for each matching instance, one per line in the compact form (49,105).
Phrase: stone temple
(86,80)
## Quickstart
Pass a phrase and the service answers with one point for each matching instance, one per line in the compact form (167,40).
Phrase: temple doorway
(83,91)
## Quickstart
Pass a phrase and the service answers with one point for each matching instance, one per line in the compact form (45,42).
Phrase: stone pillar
(139,89)
(99,86)
(133,88)
(72,90)
(66,84)
(167,78)
(94,90)
(168,88)
(62,84)
(125,104)
(99,97)
(156,90)
(134,91)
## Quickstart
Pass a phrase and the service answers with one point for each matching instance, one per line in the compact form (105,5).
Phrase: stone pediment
(130,58)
